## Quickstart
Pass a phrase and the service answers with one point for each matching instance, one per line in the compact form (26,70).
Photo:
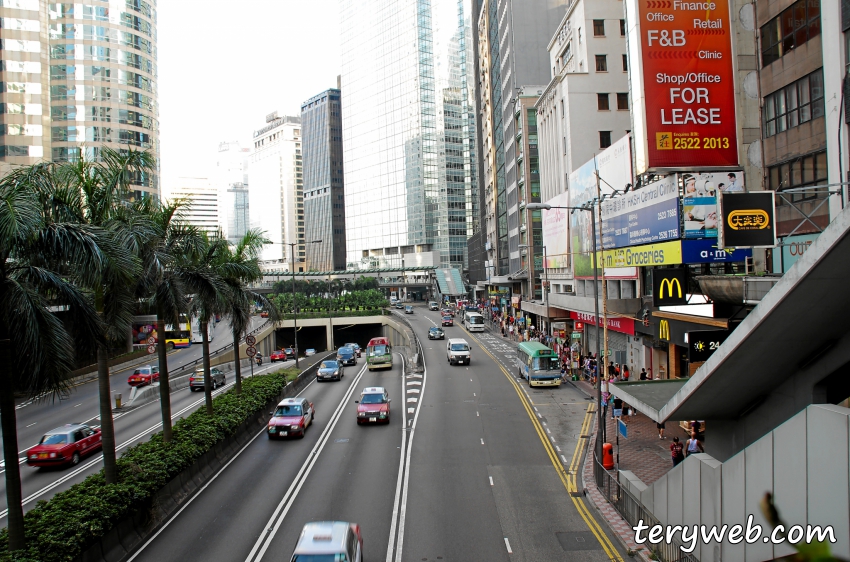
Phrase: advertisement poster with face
(699,205)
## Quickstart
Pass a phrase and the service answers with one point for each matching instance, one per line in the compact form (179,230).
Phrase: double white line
(279,514)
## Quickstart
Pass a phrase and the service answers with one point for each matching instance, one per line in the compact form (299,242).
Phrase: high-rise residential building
(78,76)
(231,181)
(201,202)
(324,189)
(512,36)
(409,130)
(276,196)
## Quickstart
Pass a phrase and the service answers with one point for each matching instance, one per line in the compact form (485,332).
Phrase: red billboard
(689,83)
(615,323)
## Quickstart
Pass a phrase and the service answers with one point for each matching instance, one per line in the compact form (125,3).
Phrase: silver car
(196,380)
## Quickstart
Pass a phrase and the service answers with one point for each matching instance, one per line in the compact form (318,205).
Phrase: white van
(457,351)
(330,540)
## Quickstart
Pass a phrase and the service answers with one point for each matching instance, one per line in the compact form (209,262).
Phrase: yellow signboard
(663,253)
(664,330)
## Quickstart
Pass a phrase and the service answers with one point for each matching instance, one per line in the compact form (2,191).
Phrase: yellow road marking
(567,479)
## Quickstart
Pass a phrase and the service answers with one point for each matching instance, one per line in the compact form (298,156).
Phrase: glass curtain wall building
(324,198)
(409,129)
(78,77)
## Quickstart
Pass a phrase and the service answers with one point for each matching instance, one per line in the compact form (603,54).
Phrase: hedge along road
(131,427)
(256,506)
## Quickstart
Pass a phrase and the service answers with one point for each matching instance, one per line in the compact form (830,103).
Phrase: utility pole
(604,284)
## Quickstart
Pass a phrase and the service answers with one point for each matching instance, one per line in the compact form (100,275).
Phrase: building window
(601,63)
(796,103)
(602,102)
(622,28)
(790,29)
(604,139)
(599,28)
(623,101)
(801,172)
(562,108)
(625,63)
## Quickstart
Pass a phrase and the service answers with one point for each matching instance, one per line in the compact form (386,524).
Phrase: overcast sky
(224,65)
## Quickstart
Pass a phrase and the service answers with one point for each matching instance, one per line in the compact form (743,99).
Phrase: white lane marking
(403,508)
(544,423)
(279,514)
(470,380)
(547,430)
(415,383)
(491,480)
(78,405)
(476,415)
(409,400)
(557,448)
(399,480)
(563,458)
(539,416)
(32,424)
(413,391)
(482,441)
(411,410)
(508,546)
(473,394)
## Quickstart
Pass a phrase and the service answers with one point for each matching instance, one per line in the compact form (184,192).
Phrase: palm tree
(94,193)
(40,259)
(163,255)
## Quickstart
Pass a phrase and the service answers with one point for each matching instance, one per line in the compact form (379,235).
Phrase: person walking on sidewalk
(660,427)
(694,445)
(676,451)
(643,374)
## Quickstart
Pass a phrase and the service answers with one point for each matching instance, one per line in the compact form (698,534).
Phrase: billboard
(703,343)
(669,287)
(648,215)
(682,76)
(699,205)
(555,231)
(793,248)
(747,220)
(665,253)
(706,250)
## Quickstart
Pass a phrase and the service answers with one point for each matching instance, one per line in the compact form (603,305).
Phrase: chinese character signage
(748,220)
(683,77)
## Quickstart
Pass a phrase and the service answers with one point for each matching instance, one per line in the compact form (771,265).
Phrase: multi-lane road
(35,417)
(467,469)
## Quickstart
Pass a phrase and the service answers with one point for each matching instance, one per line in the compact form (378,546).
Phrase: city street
(466,470)
(81,406)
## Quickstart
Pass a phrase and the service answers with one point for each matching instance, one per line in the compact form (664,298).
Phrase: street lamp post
(599,359)
(294,307)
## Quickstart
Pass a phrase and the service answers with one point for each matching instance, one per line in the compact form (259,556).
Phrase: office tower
(324,197)
(231,182)
(409,130)
(79,76)
(201,202)
(276,197)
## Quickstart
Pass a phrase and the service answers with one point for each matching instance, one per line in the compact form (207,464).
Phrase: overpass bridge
(420,279)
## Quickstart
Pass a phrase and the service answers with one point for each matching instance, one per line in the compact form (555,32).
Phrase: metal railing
(630,508)
(217,352)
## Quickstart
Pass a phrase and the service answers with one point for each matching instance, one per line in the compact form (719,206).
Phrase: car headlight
(52,455)
(361,414)
(33,456)
(383,414)
(294,426)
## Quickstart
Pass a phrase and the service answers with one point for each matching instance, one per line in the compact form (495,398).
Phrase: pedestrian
(694,445)
(503,331)
(511,330)
(611,369)
(626,413)
(617,412)
(696,426)
(676,451)
(626,373)
(643,374)
(660,427)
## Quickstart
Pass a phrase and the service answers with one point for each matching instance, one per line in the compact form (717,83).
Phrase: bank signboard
(648,215)
(682,76)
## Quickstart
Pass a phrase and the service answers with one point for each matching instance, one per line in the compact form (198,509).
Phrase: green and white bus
(379,354)
(538,364)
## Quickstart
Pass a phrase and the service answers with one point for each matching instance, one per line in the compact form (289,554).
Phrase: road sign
(250,340)
(151,340)
(151,349)
(623,429)
(251,351)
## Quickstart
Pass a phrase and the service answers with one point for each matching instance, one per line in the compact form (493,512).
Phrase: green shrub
(62,528)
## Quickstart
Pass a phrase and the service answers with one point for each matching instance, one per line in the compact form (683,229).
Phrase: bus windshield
(378,350)
(476,319)
(545,364)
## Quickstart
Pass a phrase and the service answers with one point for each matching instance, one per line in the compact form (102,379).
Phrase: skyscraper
(409,130)
(276,196)
(324,197)
(78,76)
(231,181)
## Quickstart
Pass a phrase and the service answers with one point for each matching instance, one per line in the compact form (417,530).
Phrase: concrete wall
(804,463)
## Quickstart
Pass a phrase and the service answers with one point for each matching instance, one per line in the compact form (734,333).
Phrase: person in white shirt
(734,185)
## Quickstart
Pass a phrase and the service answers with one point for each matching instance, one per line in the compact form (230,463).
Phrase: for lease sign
(689,83)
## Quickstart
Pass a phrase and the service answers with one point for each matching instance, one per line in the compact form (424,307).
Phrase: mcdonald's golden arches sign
(669,287)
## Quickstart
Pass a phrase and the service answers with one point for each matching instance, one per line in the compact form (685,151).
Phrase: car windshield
(54,439)
(329,365)
(459,347)
(545,364)
(372,399)
(288,411)
(142,372)
(435,329)
(345,351)
(378,350)
(320,558)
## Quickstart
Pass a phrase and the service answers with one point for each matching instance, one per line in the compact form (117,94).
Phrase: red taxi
(448,321)
(264,314)
(64,445)
(278,355)
(291,417)
(144,375)
(373,406)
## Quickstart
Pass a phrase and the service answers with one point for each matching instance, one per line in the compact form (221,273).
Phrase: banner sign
(666,253)
(669,287)
(650,214)
(703,343)
(706,250)
(555,231)
(748,220)
(685,81)
(699,206)
(622,325)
